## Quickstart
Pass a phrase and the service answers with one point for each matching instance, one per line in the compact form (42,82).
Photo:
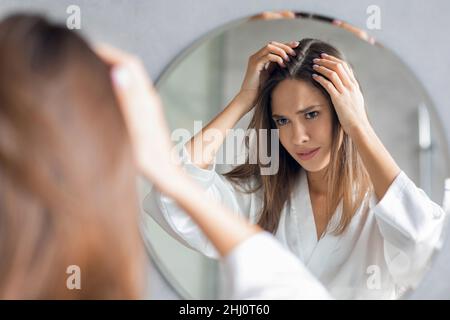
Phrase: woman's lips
(308,155)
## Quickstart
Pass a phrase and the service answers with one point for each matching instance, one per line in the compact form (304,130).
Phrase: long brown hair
(347,178)
(67,180)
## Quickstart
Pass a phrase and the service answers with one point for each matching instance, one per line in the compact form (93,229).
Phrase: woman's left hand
(338,80)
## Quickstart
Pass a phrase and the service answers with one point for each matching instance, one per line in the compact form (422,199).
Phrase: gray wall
(158,30)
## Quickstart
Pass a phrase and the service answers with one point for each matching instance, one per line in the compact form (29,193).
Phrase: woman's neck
(317,182)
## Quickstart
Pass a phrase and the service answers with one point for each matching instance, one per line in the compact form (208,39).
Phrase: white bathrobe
(386,248)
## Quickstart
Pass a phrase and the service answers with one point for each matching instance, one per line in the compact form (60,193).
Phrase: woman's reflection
(339,201)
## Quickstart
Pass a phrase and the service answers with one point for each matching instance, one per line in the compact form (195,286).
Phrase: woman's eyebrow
(305,110)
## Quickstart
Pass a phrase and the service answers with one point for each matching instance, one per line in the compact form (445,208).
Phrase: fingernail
(337,22)
(324,55)
(315,66)
(295,43)
(316,60)
(120,76)
(314,75)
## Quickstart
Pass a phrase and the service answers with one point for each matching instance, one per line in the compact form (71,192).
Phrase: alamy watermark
(73,21)
(73,281)
(373,21)
(239,146)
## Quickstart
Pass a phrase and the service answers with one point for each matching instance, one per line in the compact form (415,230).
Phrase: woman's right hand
(260,65)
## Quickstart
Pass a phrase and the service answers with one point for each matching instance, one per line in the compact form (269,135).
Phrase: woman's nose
(299,135)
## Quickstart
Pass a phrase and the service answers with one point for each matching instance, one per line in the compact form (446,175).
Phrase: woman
(65,166)
(67,177)
(339,202)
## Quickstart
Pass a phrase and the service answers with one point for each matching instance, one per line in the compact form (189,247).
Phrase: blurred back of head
(67,180)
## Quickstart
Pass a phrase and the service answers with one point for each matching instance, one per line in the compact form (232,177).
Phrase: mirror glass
(206,76)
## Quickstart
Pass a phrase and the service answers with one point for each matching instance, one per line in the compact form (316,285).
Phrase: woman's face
(302,114)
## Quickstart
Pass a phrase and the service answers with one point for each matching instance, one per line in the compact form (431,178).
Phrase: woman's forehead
(292,94)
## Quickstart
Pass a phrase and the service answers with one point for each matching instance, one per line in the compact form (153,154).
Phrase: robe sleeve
(411,226)
(179,224)
(260,268)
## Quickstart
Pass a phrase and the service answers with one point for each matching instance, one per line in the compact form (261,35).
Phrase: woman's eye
(311,115)
(281,122)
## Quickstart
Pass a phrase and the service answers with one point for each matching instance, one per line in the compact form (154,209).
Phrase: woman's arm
(379,163)
(348,102)
(152,149)
(203,147)
(223,228)
(410,223)
(205,144)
